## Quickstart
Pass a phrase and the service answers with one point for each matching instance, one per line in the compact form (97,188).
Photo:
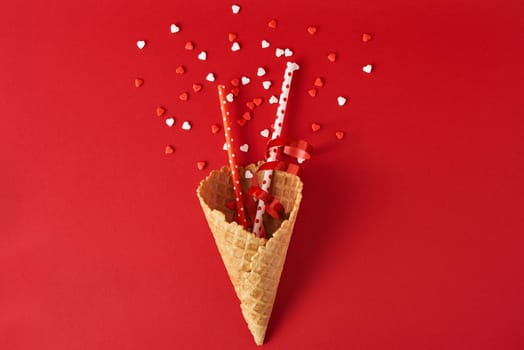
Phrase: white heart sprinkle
(140,44)
(265,44)
(170,121)
(248,174)
(341,100)
(273,100)
(230,97)
(244,147)
(261,72)
(202,56)
(279,52)
(174,28)
(367,68)
(245,80)
(288,53)
(235,46)
(210,77)
(300,160)
(265,133)
(225,146)
(266,84)
(186,125)
(235,9)
(292,66)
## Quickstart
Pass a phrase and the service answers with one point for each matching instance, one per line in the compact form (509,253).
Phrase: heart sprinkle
(174,28)
(141,44)
(189,46)
(232,37)
(248,174)
(180,70)
(341,100)
(210,77)
(319,82)
(186,125)
(245,80)
(340,135)
(312,30)
(235,82)
(241,121)
(261,72)
(273,99)
(312,92)
(160,111)
(366,37)
(250,105)
(257,101)
(183,96)
(315,127)
(244,147)
(197,87)
(246,115)
(201,165)
(215,128)
(264,44)
(265,133)
(266,84)
(367,68)
(235,46)
(332,57)
(272,24)
(139,82)
(202,56)
(170,122)
(169,149)
(235,9)
(230,97)
(279,52)
(288,53)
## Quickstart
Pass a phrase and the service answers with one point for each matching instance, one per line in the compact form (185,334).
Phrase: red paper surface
(410,235)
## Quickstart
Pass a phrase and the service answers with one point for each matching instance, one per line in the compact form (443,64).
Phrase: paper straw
(224,108)
(277,126)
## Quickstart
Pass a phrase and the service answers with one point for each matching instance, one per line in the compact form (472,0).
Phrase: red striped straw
(277,126)
(224,108)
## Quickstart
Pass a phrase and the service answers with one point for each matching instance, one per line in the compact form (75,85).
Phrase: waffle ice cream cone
(254,264)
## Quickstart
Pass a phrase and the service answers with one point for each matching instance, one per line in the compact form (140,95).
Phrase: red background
(410,235)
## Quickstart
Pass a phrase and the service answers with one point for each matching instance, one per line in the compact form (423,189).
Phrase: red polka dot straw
(231,153)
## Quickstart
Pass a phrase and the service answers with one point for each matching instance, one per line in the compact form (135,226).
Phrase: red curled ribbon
(273,205)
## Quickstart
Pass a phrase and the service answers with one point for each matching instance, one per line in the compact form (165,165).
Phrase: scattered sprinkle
(279,52)
(160,111)
(235,91)
(367,68)
(201,165)
(248,174)
(288,53)
(197,87)
(273,99)
(257,101)
(215,128)
(340,135)
(139,82)
(183,96)
(141,44)
(202,56)
(174,28)
(265,44)
(186,125)
(245,80)
(235,82)
(312,92)
(312,30)
(235,46)
(266,84)
(246,115)
(189,46)
(230,97)
(366,37)
(210,77)
(244,147)
(319,82)
(250,105)
(272,24)
(264,133)
(180,70)
(241,121)
(341,100)
(332,57)
(225,146)
(261,72)
(170,122)
(315,127)
(232,37)
(301,160)
(169,149)
(235,9)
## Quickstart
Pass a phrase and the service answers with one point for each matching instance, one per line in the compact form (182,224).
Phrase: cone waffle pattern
(254,264)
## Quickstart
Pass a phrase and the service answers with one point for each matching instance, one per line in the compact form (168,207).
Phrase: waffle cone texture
(253,264)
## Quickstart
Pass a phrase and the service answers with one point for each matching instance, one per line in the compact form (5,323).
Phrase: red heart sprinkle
(139,82)
(184,96)
(272,23)
(247,115)
(315,127)
(197,87)
(250,105)
(235,91)
(366,37)
(189,46)
(332,57)
(160,111)
(319,82)
(215,128)
(230,205)
(257,101)
(232,36)
(201,165)
(312,30)
(235,82)
(180,70)
(241,121)
(312,92)
(339,134)
(169,149)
